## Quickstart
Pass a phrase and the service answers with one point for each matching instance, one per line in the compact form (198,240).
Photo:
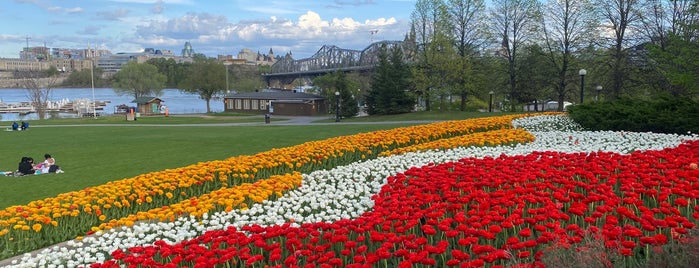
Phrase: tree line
(459,53)
(528,50)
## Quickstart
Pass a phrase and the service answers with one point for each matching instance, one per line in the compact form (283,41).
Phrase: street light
(226,63)
(337,106)
(582,73)
(599,90)
(490,102)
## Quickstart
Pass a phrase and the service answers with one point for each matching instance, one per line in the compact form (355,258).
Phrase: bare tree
(38,85)
(663,18)
(468,26)
(514,23)
(568,27)
(621,17)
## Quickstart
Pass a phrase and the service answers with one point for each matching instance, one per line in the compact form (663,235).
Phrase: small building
(276,102)
(148,105)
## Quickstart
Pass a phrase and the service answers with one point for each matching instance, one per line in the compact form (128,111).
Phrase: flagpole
(92,76)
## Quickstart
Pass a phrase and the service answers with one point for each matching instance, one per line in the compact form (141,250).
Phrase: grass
(93,155)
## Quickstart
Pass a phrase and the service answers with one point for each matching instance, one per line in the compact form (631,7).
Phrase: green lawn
(92,155)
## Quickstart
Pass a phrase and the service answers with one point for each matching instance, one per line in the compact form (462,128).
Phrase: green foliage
(51,71)
(535,83)
(391,81)
(139,80)
(174,71)
(339,82)
(83,78)
(677,63)
(348,103)
(662,115)
(206,78)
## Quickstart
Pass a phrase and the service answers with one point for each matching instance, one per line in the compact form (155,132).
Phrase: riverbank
(10,83)
(177,102)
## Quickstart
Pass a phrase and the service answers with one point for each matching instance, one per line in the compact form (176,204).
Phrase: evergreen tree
(391,80)
(348,103)
(339,82)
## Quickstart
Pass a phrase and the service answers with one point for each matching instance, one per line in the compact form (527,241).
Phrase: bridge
(328,59)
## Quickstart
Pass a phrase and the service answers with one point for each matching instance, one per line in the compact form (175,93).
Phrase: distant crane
(372,32)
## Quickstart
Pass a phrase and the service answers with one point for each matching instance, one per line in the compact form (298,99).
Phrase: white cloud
(158,8)
(115,14)
(74,10)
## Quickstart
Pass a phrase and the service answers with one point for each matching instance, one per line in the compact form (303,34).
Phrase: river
(176,101)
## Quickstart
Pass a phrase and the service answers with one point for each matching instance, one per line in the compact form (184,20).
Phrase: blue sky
(213,27)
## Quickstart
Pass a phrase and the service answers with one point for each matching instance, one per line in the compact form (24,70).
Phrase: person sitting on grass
(49,165)
(15,126)
(26,166)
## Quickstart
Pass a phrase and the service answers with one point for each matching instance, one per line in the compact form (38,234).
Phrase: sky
(213,27)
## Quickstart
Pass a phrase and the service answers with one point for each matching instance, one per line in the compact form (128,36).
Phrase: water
(176,101)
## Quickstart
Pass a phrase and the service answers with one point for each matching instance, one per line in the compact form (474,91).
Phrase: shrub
(660,115)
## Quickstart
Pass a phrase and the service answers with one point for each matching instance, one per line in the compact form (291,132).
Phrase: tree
(38,85)
(339,82)
(391,82)
(348,102)
(622,17)
(247,78)
(467,30)
(430,24)
(670,26)
(676,62)
(537,76)
(174,71)
(207,78)
(514,23)
(84,78)
(568,27)
(665,18)
(139,80)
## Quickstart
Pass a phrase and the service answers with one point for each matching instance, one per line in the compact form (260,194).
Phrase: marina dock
(77,106)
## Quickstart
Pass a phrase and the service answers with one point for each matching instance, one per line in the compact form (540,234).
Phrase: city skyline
(212,27)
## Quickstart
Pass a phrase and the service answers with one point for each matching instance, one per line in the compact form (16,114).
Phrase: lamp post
(490,102)
(337,106)
(599,90)
(226,63)
(582,73)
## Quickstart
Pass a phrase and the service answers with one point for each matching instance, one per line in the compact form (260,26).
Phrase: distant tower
(187,52)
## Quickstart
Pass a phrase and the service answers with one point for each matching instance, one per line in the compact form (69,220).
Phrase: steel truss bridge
(328,59)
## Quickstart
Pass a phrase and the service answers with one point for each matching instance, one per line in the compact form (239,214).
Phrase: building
(187,51)
(148,105)
(276,102)
(256,58)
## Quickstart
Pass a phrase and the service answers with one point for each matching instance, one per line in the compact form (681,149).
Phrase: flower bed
(467,205)
(161,195)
